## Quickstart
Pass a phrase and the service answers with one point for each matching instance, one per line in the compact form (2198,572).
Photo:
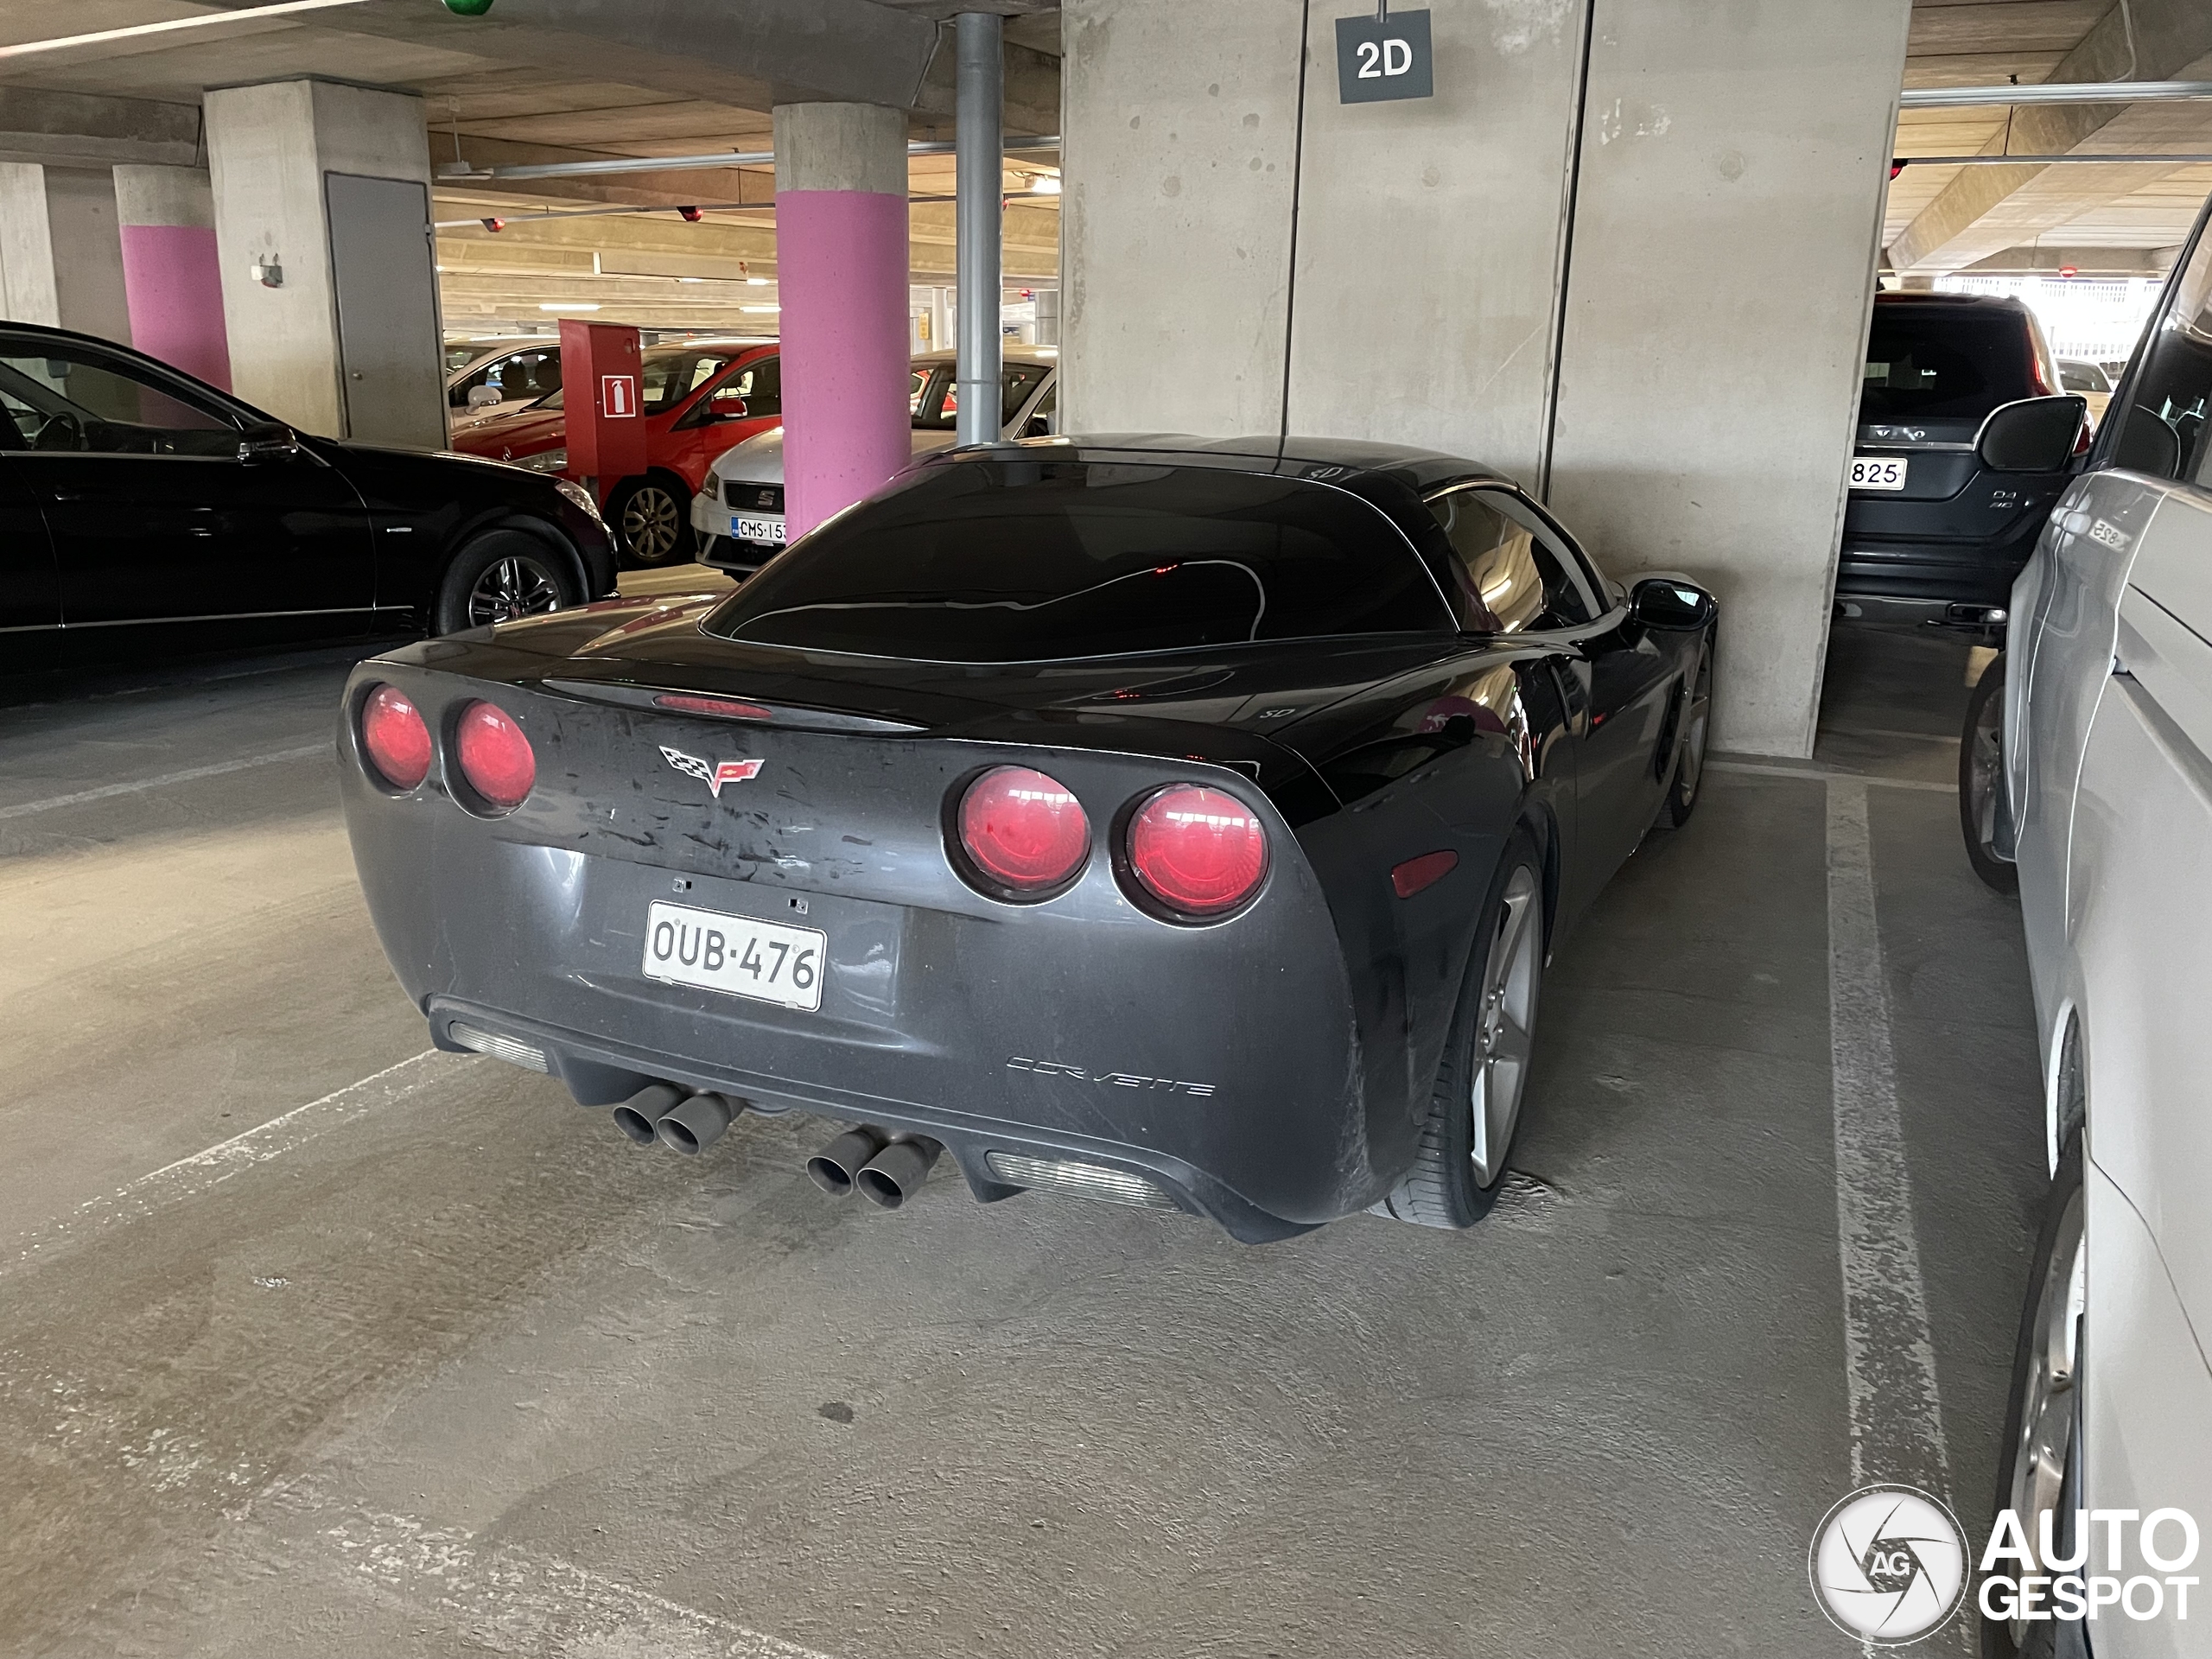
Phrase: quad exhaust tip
(837,1166)
(884,1171)
(897,1172)
(676,1118)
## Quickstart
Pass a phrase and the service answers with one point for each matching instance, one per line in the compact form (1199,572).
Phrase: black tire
(1982,779)
(502,574)
(1448,1185)
(2033,1472)
(651,517)
(1696,726)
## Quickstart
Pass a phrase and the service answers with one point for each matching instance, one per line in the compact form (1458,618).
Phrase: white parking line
(1896,1413)
(202,1171)
(537,1604)
(109,792)
(1822,775)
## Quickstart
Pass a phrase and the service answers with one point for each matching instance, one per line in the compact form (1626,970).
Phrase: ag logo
(713,774)
(1889,1565)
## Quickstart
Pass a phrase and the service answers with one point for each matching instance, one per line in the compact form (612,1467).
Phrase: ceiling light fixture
(569,305)
(136,31)
(1043,184)
(756,282)
(759,310)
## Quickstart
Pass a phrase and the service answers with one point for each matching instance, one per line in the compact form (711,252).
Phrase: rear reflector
(495,757)
(1084,1180)
(509,1049)
(1410,877)
(1198,851)
(721,707)
(1023,829)
(395,738)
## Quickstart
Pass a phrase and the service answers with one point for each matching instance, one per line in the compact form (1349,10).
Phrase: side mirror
(268,440)
(1039,426)
(726,404)
(2036,435)
(484,397)
(1666,602)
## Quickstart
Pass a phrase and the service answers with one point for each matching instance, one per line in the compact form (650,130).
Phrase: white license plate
(758,530)
(736,956)
(1878,471)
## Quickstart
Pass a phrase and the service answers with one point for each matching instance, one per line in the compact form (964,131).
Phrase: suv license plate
(1878,471)
(736,956)
(770,530)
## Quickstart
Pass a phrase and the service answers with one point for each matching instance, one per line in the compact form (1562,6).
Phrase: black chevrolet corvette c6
(1180,823)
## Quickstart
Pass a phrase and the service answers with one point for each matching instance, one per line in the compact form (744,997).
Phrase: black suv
(1936,515)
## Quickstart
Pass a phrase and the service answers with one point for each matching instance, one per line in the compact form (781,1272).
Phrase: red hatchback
(702,396)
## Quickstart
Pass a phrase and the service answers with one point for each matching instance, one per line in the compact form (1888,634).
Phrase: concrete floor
(312,1343)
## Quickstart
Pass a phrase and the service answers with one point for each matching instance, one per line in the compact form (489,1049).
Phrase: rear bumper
(1219,1063)
(1935,572)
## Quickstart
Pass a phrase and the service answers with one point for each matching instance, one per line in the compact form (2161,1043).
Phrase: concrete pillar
(60,253)
(170,273)
(1706,406)
(841,268)
(347,342)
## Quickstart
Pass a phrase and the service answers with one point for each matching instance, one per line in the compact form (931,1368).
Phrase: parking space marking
(206,1170)
(537,1604)
(109,792)
(1823,775)
(1895,1412)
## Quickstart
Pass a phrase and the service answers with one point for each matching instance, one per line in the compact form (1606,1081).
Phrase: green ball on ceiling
(469,8)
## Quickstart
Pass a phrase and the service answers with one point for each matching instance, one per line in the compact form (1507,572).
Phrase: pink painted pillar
(841,274)
(171,277)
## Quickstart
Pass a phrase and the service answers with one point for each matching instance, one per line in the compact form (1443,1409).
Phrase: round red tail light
(1198,851)
(495,757)
(394,738)
(1023,829)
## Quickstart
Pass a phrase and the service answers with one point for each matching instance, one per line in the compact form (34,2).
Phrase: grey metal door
(385,281)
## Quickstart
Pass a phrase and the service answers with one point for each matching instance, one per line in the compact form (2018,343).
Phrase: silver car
(738,517)
(2086,780)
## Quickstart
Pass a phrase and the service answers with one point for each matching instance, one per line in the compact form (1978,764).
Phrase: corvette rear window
(1038,561)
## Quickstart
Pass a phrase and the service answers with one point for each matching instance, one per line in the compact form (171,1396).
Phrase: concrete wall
(268,147)
(61,252)
(1711,301)
(1726,232)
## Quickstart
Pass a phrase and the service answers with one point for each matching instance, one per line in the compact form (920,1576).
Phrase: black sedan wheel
(499,577)
(1982,779)
(653,522)
(2040,1474)
(1477,1105)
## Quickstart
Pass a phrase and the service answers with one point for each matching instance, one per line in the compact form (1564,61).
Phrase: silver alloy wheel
(1700,719)
(515,586)
(651,523)
(2047,1400)
(1503,1024)
(1984,759)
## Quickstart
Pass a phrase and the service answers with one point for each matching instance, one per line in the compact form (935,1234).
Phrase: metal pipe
(696,164)
(2080,91)
(979,122)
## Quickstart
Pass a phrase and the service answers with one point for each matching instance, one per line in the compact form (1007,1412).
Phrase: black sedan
(1186,825)
(133,494)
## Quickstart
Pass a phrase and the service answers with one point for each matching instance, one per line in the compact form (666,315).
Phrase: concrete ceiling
(2097,218)
(540,81)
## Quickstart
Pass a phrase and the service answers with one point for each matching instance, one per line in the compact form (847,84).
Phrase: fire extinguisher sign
(618,396)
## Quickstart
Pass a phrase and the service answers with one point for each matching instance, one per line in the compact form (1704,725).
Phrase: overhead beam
(77,129)
(1986,208)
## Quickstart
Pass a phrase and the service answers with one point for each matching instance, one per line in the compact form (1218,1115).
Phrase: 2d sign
(1384,57)
(618,396)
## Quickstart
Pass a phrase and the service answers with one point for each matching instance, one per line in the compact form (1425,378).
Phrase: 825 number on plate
(1878,471)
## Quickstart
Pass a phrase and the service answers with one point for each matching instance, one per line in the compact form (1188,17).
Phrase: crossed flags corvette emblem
(713,774)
